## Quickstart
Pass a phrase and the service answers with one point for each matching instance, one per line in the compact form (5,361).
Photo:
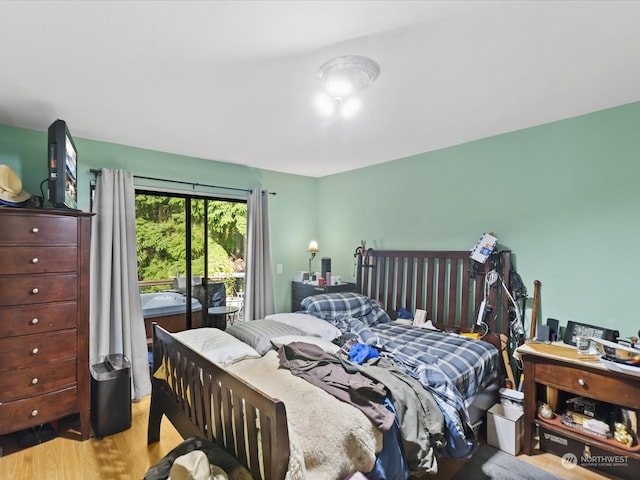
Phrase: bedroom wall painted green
(292,211)
(561,196)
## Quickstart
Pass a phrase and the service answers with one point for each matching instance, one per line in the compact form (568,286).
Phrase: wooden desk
(564,372)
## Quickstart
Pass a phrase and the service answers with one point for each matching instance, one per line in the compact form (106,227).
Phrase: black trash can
(110,394)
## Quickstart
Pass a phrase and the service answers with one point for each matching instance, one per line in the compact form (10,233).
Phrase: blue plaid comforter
(457,362)
(451,367)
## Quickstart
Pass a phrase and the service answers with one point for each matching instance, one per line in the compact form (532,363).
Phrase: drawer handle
(581,382)
(35,351)
(34,381)
(34,260)
(35,291)
(35,230)
(34,412)
(34,321)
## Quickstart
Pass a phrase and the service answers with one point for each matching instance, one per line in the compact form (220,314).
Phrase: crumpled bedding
(451,367)
(320,449)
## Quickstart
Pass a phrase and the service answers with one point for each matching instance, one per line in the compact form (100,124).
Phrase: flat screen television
(63,167)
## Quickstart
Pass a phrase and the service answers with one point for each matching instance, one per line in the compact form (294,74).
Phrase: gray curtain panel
(116,322)
(259,299)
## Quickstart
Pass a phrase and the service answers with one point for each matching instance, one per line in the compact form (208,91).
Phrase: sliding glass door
(190,249)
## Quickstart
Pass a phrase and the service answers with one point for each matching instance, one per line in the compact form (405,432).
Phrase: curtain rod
(97,172)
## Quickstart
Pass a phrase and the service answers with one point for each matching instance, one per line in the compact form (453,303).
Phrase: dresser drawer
(39,230)
(29,350)
(25,289)
(26,413)
(601,386)
(37,379)
(39,318)
(33,260)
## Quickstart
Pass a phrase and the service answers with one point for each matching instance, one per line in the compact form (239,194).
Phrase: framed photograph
(575,330)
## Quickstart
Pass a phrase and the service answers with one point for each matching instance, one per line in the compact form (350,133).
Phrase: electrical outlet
(279,269)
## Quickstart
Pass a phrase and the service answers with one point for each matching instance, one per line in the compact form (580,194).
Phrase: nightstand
(555,373)
(300,290)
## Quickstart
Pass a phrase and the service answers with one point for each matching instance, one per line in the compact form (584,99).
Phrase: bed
(447,284)
(220,400)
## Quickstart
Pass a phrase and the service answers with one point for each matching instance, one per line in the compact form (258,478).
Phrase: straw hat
(11,186)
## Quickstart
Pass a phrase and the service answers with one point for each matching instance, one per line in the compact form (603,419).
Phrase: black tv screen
(63,166)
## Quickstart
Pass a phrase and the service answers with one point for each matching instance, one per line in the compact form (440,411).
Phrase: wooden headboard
(447,284)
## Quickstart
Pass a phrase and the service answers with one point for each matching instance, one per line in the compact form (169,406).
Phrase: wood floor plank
(122,456)
(126,456)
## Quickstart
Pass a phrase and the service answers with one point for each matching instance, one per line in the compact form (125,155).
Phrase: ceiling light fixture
(342,77)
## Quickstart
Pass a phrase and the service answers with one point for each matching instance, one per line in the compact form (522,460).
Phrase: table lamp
(313,249)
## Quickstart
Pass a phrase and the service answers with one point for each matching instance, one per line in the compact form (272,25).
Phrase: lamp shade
(313,246)
(342,76)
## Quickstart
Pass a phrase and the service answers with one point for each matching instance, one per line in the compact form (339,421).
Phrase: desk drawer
(601,386)
(26,413)
(39,230)
(40,318)
(37,379)
(29,289)
(29,350)
(30,260)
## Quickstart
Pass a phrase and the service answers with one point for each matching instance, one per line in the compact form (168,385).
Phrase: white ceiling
(235,81)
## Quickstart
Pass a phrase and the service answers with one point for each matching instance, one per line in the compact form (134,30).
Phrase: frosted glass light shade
(341,76)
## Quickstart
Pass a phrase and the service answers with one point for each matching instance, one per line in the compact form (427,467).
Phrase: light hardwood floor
(126,456)
(123,456)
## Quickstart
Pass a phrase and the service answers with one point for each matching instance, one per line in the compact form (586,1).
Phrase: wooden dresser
(44,317)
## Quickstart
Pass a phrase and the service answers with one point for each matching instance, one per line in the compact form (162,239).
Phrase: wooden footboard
(202,399)
(447,284)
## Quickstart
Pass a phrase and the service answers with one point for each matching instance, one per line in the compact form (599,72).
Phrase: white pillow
(216,345)
(320,342)
(308,323)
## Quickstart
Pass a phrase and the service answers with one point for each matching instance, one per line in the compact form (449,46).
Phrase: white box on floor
(505,428)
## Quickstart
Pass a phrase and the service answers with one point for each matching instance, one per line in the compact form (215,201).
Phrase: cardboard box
(505,428)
